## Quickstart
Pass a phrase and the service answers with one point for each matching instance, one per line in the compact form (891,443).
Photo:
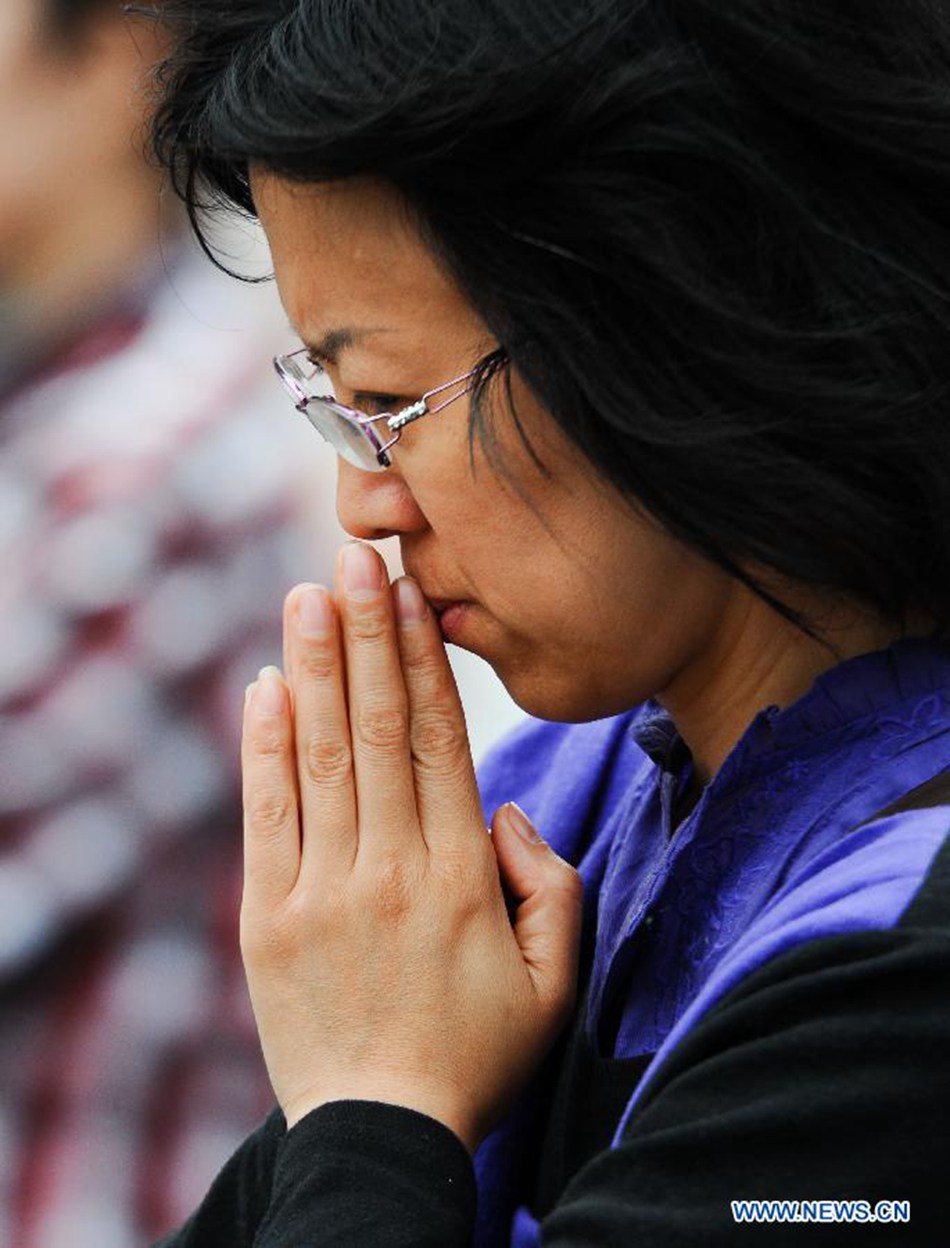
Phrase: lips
(441,605)
(438,605)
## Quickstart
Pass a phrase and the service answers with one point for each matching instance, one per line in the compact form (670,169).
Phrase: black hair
(712,237)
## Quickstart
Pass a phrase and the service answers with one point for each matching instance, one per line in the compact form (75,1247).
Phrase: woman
(637,322)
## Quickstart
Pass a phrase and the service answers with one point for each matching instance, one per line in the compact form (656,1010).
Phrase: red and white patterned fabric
(150,524)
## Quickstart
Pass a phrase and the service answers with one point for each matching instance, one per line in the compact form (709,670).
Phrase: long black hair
(712,237)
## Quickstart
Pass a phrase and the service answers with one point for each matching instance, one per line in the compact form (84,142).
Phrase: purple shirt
(770,857)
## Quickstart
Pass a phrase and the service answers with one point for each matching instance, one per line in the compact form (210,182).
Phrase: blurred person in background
(148,525)
(148,528)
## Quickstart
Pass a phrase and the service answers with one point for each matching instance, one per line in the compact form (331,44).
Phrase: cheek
(588,609)
(590,640)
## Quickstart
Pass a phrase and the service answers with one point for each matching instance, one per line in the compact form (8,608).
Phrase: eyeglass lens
(354,443)
(334,421)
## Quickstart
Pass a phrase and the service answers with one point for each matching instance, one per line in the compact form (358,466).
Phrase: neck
(760,659)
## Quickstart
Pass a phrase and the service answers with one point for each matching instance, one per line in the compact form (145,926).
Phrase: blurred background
(158,497)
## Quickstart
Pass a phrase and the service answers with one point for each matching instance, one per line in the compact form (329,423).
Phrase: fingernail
(362,573)
(522,824)
(313,611)
(410,604)
(269,695)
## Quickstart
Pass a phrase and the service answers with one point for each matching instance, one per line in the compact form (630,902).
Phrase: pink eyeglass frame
(290,373)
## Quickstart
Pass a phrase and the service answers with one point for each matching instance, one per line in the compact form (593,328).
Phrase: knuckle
(318,661)
(269,810)
(438,738)
(328,763)
(304,914)
(466,879)
(270,743)
(260,943)
(253,950)
(382,727)
(571,882)
(424,663)
(278,935)
(266,944)
(427,674)
(370,623)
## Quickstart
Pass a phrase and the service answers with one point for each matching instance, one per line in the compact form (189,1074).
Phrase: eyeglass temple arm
(420,408)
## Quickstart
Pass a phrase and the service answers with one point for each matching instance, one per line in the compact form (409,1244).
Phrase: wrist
(415,1099)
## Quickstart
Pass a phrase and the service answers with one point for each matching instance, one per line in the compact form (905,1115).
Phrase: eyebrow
(335,341)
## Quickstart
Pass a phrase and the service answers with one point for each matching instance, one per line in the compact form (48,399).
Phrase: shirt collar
(906,671)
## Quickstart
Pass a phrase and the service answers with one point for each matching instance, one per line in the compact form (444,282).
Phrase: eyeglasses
(350,432)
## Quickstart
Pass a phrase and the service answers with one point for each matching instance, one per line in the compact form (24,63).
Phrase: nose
(375,505)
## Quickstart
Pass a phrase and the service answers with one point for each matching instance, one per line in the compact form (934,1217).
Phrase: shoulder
(867,882)
(823,1066)
(877,900)
(858,977)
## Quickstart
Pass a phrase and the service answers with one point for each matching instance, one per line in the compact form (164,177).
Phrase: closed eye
(378,404)
(373,404)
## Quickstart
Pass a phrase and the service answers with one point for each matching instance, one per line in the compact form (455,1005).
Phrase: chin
(565,698)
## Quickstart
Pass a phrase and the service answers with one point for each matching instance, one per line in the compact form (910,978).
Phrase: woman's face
(583,609)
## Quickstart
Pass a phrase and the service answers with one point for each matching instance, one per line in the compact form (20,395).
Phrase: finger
(446,791)
(378,705)
(324,755)
(548,898)
(271,824)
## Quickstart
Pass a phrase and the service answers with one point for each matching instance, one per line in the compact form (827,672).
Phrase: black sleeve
(231,1213)
(825,1075)
(370,1174)
(351,1172)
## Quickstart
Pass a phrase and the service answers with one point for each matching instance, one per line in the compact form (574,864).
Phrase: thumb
(547,894)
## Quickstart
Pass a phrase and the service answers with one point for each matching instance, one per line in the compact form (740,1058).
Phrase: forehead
(346,253)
